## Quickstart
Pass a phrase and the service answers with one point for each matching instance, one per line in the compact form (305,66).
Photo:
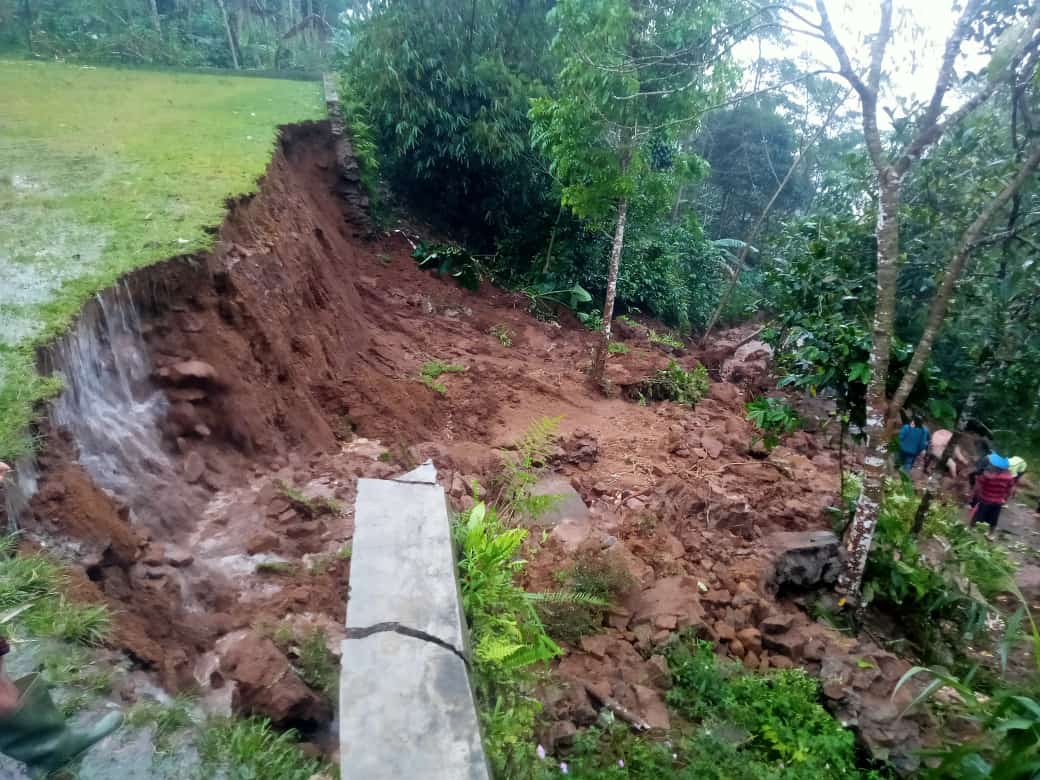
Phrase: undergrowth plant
(943,600)
(592,575)
(508,637)
(450,260)
(618,348)
(676,384)
(503,334)
(511,489)
(774,417)
(34,586)
(743,726)
(167,719)
(251,749)
(664,339)
(432,370)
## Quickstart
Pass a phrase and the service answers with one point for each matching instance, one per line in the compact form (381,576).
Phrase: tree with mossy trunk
(636,73)
(1016,55)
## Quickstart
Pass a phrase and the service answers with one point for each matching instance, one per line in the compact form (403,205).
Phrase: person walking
(913,440)
(993,488)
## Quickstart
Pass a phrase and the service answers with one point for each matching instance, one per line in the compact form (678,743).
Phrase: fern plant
(511,490)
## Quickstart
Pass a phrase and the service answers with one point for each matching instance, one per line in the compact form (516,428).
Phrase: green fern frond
(568,597)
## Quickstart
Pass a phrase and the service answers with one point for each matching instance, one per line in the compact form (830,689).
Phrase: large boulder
(266,682)
(801,559)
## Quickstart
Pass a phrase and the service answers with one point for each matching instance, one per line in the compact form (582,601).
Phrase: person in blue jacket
(913,440)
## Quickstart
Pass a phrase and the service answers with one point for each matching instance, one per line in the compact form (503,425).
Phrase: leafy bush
(544,294)
(449,260)
(774,417)
(431,371)
(676,384)
(507,635)
(940,603)
(618,348)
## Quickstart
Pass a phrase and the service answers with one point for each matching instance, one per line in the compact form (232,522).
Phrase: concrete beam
(406,706)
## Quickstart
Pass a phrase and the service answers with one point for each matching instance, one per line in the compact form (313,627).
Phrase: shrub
(503,334)
(592,584)
(433,369)
(747,726)
(450,260)
(664,339)
(676,384)
(618,348)
(774,417)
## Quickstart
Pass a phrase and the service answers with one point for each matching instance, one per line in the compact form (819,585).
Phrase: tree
(635,73)
(890,172)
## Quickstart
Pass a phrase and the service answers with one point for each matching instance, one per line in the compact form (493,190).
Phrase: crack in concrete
(399,628)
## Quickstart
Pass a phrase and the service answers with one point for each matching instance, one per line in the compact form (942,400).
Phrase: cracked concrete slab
(407,711)
(402,567)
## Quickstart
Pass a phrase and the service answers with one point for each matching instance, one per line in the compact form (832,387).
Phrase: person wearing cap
(913,440)
(993,488)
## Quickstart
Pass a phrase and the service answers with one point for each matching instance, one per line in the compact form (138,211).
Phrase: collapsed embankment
(200,471)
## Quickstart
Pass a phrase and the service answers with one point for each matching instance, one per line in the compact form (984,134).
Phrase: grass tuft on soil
(103,171)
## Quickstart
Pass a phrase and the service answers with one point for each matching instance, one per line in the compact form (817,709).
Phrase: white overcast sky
(913,55)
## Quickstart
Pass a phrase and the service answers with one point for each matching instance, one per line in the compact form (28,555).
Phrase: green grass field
(103,171)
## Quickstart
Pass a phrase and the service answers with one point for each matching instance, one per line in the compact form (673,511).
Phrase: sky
(913,56)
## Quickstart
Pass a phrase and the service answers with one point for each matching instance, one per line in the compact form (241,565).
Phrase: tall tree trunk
(27,22)
(860,533)
(941,302)
(230,36)
(599,360)
(154,4)
(678,202)
(552,240)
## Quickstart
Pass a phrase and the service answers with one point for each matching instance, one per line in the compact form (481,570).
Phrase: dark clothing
(908,460)
(994,487)
(988,513)
(4,647)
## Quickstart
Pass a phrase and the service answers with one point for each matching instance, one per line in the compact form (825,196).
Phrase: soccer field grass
(105,170)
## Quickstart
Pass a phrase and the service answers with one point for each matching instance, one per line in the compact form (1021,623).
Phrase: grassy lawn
(103,171)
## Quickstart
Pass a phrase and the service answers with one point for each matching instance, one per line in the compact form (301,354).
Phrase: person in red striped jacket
(993,488)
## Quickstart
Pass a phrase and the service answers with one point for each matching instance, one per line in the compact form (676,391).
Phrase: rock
(154,555)
(635,504)
(781,662)
(638,571)
(724,631)
(267,684)
(660,674)
(277,506)
(751,660)
(711,445)
(183,416)
(618,618)
(178,557)
(189,372)
(789,643)
(814,650)
(561,734)
(717,597)
(776,624)
(801,559)
(194,467)
(736,649)
(572,532)
(750,638)
(749,363)
(652,707)
(570,505)
(186,394)
(671,596)
(596,645)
